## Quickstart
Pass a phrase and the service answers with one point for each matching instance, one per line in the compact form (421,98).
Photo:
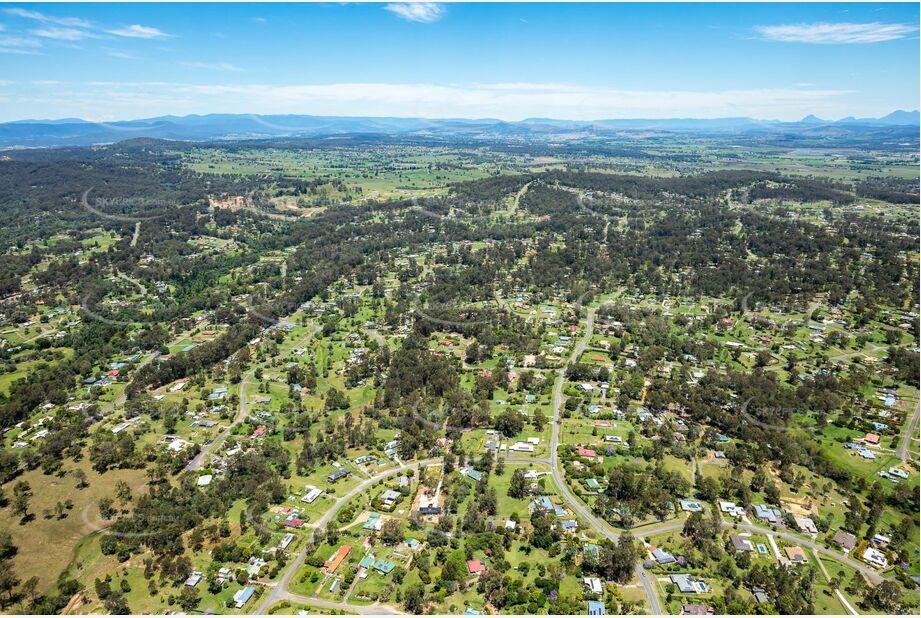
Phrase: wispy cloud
(74,22)
(832,33)
(117,53)
(423,12)
(213,66)
(64,34)
(137,31)
(12,44)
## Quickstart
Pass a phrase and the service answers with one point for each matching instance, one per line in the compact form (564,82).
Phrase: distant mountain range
(223,127)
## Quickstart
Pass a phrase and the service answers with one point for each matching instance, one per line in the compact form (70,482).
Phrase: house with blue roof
(474,474)
(243,595)
(596,608)
(662,556)
(569,525)
(768,514)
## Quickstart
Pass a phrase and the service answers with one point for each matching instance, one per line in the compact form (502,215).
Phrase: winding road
(279,592)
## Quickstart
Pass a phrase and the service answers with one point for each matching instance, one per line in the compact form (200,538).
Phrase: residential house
(731,509)
(845,540)
(662,556)
(688,584)
(696,609)
(336,559)
(383,567)
(741,543)
(242,596)
(312,494)
(338,474)
(768,514)
(593,585)
(875,557)
(389,498)
(805,524)
(796,555)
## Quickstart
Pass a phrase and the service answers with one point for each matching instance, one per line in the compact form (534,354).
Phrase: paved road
(575,503)
(868,571)
(121,399)
(279,592)
(909,434)
(198,462)
(374,609)
(137,233)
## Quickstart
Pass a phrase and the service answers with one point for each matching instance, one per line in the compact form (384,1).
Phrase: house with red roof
(585,452)
(475,567)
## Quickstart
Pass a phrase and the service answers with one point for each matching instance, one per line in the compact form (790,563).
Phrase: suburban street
(559,479)
(279,591)
(198,462)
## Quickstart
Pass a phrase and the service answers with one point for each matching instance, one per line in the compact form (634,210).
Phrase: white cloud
(137,31)
(830,33)
(213,66)
(117,53)
(423,12)
(107,100)
(75,22)
(64,34)
(11,44)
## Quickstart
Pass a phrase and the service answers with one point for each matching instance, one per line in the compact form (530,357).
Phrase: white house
(311,495)
(875,557)
(731,509)
(593,584)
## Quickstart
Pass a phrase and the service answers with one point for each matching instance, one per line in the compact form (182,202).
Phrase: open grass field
(366,173)
(46,543)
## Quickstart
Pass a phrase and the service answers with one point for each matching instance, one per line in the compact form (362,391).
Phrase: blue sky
(510,61)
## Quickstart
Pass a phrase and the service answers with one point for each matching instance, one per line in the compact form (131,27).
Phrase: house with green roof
(384,566)
(474,474)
